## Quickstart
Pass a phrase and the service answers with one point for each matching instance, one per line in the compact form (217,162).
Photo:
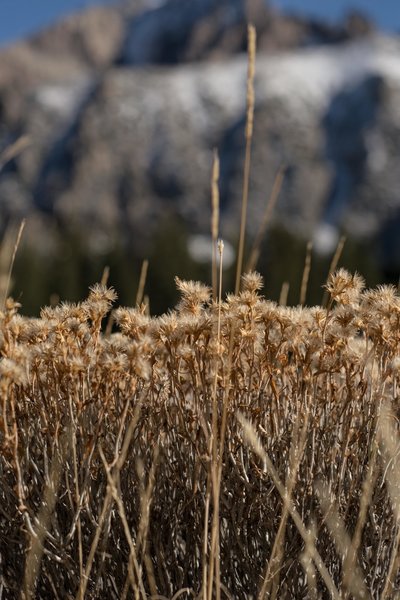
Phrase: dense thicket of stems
(110,447)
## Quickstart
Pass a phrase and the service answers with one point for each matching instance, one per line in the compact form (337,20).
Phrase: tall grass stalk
(12,151)
(251,53)
(214,562)
(215,221)
(269,208)
(389,440)
(7,255)
(306,274)
(333,265)
(42,522)
(284,293)
(142,282)
(353,581)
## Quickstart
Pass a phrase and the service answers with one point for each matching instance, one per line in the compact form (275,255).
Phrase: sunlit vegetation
(231,446)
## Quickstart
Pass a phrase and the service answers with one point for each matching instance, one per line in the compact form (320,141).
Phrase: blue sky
(385,13)
(19,18)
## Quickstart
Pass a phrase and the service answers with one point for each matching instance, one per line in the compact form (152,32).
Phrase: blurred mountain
(124,106)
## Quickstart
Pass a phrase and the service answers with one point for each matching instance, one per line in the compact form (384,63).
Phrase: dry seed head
(268,310)
(142,367)
(250,333)
(344,287)
(47,313)
(186,352)
(199,324)
(252,282)
(60,313)
(17,325)
(76,365)
(117,343)
(101,292)
(95,309)
(36,331)
(12,305)
(166,325)
(344,315)
(132,321)
(383,299)
(194,295)
(12,371)
(318,316)
(116,364)
(345,320)
(246,300)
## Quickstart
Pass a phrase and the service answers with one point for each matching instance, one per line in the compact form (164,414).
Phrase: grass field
(231,448)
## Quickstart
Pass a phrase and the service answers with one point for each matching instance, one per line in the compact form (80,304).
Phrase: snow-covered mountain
(115,145)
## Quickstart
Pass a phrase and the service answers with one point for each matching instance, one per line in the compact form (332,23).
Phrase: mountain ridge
(115,146)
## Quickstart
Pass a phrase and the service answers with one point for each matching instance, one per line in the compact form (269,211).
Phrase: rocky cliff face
(114,145)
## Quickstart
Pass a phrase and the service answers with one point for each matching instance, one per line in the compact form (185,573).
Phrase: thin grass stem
(251,53)
(269,208)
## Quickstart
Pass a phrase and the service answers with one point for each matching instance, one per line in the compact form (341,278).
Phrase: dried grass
(125,472)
